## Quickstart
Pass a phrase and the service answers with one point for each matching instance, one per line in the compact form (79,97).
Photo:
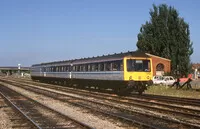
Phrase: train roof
(109,57)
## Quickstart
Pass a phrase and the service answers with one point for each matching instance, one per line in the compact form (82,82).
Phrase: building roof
(196,66)
(151,55)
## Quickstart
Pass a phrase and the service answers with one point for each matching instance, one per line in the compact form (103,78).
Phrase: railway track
(177,103)
(17,119)
(38,114)
(169,99)
(95,104)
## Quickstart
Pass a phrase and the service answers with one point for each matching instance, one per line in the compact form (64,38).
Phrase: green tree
(167,35)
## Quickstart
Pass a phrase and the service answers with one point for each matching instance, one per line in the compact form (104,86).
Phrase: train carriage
(123,72)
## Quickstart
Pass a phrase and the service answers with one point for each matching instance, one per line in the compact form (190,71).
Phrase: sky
(36,31)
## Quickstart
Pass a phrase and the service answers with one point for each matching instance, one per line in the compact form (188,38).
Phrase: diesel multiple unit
(123,72)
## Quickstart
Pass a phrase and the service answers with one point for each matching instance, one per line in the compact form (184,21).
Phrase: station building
(160,65)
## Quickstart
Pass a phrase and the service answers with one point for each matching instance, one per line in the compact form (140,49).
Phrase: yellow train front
(138,73)
(123,72)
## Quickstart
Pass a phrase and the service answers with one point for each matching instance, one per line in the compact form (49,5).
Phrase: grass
(172,91)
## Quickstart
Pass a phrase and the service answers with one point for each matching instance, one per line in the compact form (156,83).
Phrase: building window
(160,67)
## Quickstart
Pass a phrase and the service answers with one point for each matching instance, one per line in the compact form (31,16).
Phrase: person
(188,83)
(177,83)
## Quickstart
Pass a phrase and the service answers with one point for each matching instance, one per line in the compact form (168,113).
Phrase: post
(19,67)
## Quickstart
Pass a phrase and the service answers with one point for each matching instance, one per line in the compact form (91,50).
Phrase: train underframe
(119,87)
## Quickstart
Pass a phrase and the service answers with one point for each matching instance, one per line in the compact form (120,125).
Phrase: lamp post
(19,67)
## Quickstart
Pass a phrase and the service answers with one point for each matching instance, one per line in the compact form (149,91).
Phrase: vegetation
(168,91)
(167,35)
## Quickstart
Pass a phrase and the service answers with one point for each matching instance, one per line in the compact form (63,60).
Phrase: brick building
(196,66)
(160,65)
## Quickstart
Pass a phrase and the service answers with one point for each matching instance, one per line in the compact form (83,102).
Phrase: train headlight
(148,77)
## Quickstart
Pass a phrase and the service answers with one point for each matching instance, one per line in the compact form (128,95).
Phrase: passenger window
(95,67)
(121,66)
(77,68)
(86,68)
(89,67)
(68,68)
(81,68)
(116,66)
(107,66)
(74,68)
(101,67)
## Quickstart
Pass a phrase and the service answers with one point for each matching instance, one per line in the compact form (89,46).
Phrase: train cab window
(146,65)
(138,65)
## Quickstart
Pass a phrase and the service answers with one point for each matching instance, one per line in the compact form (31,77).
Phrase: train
(122,73)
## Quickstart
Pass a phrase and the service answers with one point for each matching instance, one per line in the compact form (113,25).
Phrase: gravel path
(72,111)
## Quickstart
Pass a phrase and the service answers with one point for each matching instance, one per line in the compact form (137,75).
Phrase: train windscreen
(136,65)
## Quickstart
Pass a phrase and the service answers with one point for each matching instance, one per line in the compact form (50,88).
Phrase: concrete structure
(10,70)
(160,65)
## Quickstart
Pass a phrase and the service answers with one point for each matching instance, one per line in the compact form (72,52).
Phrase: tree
(167,35)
